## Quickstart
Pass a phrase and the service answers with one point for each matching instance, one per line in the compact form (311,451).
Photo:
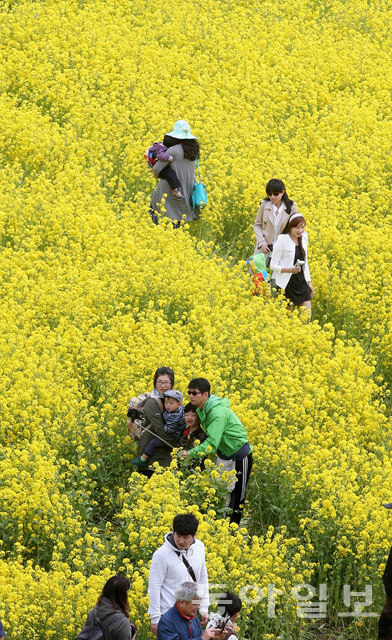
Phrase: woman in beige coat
(272,217)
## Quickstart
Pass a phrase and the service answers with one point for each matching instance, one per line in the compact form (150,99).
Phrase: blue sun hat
(182,131)
(2,632)
(387,505)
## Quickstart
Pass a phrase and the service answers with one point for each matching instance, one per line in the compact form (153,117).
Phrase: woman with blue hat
(184,147)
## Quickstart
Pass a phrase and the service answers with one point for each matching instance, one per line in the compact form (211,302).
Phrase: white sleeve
(307,272)
(203,582)
(155,581)
(277,255)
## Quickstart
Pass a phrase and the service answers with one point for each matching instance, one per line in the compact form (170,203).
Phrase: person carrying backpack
(152,424)
(109,620)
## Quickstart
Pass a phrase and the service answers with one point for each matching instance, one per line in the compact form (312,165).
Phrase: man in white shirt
(181,558)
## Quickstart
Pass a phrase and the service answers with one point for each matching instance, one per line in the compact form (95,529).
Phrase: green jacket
(224,429)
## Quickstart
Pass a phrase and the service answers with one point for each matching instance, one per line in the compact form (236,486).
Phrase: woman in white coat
(289,263)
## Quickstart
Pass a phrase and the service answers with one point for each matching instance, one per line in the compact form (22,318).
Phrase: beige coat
(264,224)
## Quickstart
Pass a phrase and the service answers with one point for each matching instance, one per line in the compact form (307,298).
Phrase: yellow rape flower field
(94,298)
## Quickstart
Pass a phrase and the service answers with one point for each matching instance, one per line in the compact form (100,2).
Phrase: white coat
(283,255)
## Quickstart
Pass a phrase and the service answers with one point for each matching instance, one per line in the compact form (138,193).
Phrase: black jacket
(387,577)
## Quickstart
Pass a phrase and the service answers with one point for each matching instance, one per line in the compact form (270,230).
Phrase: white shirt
(277,218)
(168,572)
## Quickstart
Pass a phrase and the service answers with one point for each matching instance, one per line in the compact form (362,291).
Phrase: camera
(134,414)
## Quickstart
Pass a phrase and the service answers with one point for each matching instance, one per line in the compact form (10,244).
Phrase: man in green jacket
(227,436)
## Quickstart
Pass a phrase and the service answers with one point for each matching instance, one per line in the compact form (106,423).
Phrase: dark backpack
(94,631)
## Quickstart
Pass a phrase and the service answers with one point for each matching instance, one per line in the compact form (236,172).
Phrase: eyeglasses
(194,393)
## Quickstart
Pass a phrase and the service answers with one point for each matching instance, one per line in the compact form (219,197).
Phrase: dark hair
(200,383)
(164,371)
(274,187)
(229,604)
(191,148)
(116,590)
(190,407)
(185,524)
(295,223)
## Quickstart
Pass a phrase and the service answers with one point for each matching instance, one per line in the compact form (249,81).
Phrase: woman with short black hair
(153,420)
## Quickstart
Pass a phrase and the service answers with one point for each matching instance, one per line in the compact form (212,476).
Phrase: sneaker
(177,195)
(139,462)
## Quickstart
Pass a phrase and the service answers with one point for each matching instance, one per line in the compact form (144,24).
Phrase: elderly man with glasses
(227,436)
(181,621)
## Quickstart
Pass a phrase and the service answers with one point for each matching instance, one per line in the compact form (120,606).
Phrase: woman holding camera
(289,263)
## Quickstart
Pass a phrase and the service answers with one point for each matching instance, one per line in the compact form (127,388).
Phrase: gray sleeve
(157,168)
(153,414)
(121,630)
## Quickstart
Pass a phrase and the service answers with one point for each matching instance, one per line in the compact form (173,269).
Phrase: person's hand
(208,633)
(171,158)
(264,247)
(203,618)
(154,629)
(228,630)
(185,454)
(311,287)
(295,269)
